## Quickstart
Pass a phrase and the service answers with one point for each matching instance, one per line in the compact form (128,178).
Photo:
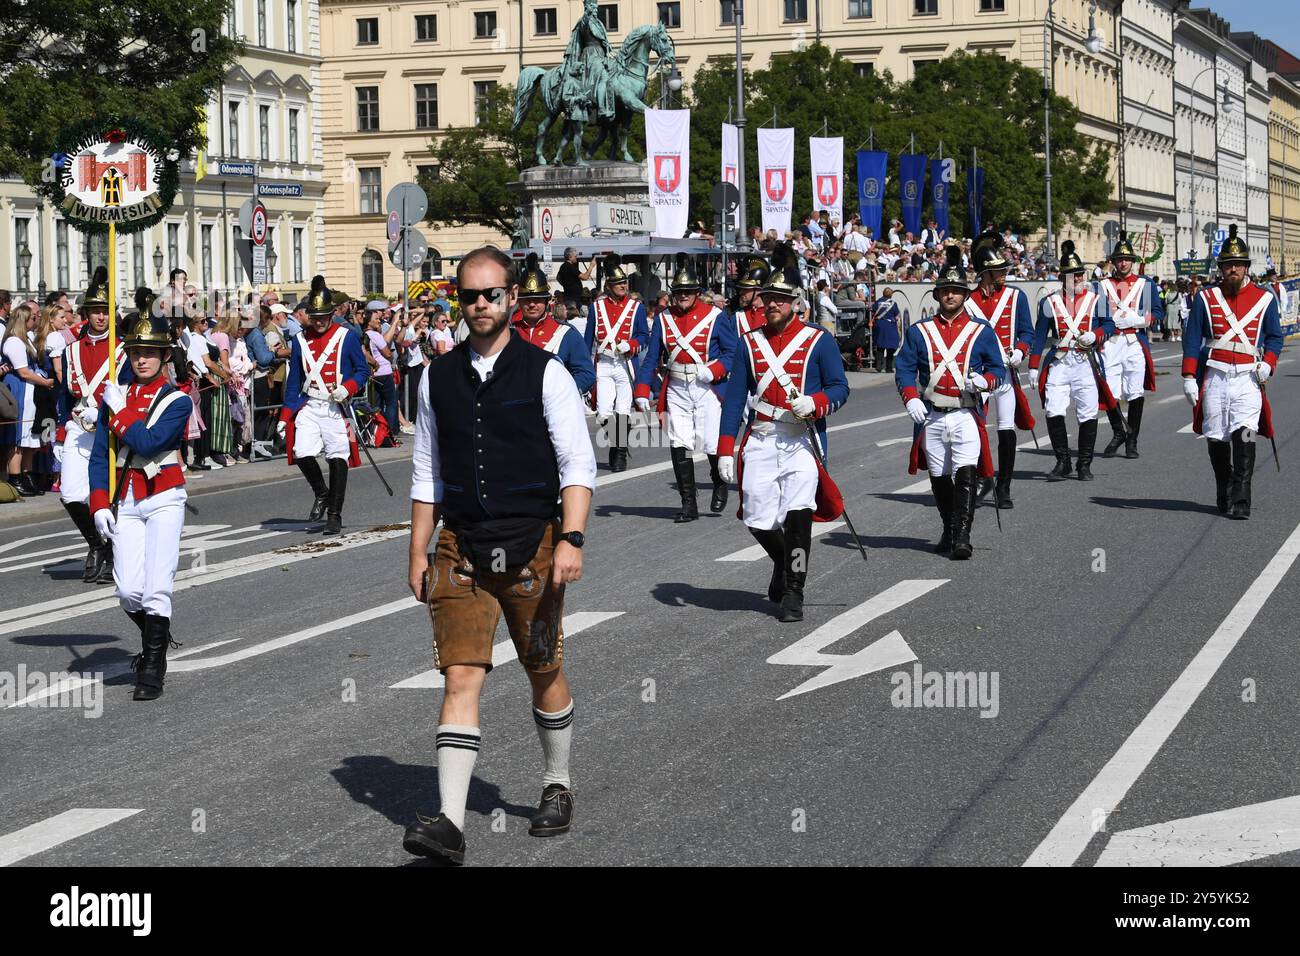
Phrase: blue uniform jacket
(1149,300)
(1197,336)
(722,349)
(576,358)
(166,435)
(640,332)
(1101,324)
(912,364)
(886,318)
(354,372)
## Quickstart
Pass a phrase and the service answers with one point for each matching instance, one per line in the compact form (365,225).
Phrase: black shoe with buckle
(436,838)
(554,814)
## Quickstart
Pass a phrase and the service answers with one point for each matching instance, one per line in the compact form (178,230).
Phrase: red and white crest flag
(731,154)
(828,175)
(668,167)
(776,178)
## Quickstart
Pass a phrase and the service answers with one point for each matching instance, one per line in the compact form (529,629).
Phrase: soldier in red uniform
(1132,304)
(748,303)
(617,332)
(535,325)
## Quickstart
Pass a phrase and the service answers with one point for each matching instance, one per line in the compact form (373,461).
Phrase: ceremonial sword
(793,393)
(1271,440)
(356,428)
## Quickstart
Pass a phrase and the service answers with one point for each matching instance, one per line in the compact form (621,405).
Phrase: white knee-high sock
(457,751)
(556,732)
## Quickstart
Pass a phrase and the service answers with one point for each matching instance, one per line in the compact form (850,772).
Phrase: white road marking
(891,650)
(201,537)
(1072,833)
(1211,839)
(199,649)
(613,479)
(1171,398)
(1186,429)
(14,545)
(504,651)
(866,421)
(756,551)
(49,833)
(895,441)
(68,684)
(917,488)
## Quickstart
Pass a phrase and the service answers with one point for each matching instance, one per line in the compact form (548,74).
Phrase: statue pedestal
(566,191)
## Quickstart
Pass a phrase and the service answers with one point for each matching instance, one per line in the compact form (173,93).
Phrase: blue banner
(872,168)
(911,190)
(975,198)
(939,187)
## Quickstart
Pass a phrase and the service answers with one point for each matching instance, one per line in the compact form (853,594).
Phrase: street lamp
(24,265)
(157,263)
(671,85)
(271,258)
(738,15)
(1226,107)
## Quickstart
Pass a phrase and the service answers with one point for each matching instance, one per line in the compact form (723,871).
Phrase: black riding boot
(104,562)
(773,543)
(684,470)
(310,469)
(1061,446)
(798,544)
(943,491)
(1087,441)
(1243,468)
(719,499)
(965,484)
(138,618)
(1120,436)
(338,488)
(1006,465)
(1221,461)
(151,665)
(618,443)
(79,512)
(1134,426)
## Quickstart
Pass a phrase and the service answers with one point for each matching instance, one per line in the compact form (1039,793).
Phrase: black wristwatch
(575,538)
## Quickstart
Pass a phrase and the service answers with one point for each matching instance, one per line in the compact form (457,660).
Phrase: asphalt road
(1113,627)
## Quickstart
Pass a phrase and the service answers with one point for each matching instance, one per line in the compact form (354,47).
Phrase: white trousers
(1229,402)
(1003,401)
(1070,381)
(1125,366)
(146,548)
(74,479)
(613,387)
(952,441)
(320,426)
(780,474)
(694,416)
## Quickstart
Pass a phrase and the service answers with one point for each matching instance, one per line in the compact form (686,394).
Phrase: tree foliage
(64,62)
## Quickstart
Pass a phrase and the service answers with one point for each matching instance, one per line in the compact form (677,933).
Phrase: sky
(1274,20)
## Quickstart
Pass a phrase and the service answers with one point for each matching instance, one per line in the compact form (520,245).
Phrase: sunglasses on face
(496,295)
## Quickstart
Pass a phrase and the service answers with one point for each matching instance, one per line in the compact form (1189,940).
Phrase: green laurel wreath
(1160,249)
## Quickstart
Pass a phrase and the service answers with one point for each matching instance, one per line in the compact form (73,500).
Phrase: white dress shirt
(565,421)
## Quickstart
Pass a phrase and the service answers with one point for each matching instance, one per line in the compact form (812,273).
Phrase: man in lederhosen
(617,332)
(793,374)
(1006,308)
(1070,373)
(1132,305)
(696,342)
(501,437)
(947,366)
(1224,372)
(535,325)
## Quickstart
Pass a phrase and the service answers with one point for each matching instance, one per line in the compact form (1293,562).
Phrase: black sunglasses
(496,295)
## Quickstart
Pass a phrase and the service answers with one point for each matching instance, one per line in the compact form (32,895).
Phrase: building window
(372,271)
(796,11)
(607,14)
(370,188)
(920,65)
(482,91)
(297,255)
(137,256)
(485,25)
(232,114)
(432,265)
(205,246)
(20,242)
(864,69)
(293,136)
(426,28)
(993,6)
(670,15)
(96,246)
(367,31)
(925,8)
(61,255)
(367,109)
(428,173)
(173,246)
(291,23)
(728,12)
(859,8)
(544,24)
(264,132)
(261,23)
(426,105)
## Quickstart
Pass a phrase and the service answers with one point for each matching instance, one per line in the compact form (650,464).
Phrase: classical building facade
(1284,160)
(265,116)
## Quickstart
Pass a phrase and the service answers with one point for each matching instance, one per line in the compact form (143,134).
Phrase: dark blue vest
(494,448)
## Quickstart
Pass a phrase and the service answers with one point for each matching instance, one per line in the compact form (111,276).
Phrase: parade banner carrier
(668,155)
(731,154)
(872,167)
(776,178)
(828,175)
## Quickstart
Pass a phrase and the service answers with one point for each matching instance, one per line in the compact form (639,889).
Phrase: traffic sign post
(407,246)
(725,198)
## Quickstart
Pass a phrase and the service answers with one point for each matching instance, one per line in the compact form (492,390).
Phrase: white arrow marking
(14,545)
(1212,839)
(893,441)
(49,833)
(890,651)
(754,552)
(504,652)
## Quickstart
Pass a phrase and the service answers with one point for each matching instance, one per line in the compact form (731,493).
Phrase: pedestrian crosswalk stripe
(55,830)
(756,551)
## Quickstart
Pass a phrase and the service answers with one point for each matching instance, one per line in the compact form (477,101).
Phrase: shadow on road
(609,511)
(1156,504)
(678,594)
(918,499)
(842,539)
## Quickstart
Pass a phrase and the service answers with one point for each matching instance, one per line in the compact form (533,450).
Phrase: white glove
(1087,338)
(976,383)
(1033,378)
(281,428)
(89,416)
(115,397)
(642,404)
(340,395)
(803,406)
(1016,358)
(105,523)
(916,408)
(727,469)
(704,376)
(1192,390)
(624,347)
(1262,372)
